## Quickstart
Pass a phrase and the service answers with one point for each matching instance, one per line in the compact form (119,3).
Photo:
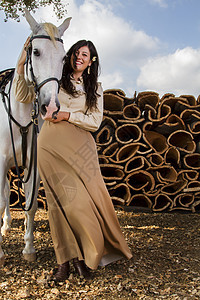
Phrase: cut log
(117,92)
(162,203)
(131,112)
(103,159)
(140,181)
(172,157)
(192,161)
(164,174)
(174,188)
(113,105)
(190,99)
(106,133)
(112,172)
(166,96)
(136,163)
(104,137)
(128,133)
(173,103)
(125,153)
(151,98)
(184,200)
(183,140)
(194,129)
(155,159)
(140,200)
(120,193)
(156,141)
(111,150)
(190,116)
(172,123)
(188,175)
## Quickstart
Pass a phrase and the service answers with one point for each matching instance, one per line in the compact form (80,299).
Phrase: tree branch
(12,8)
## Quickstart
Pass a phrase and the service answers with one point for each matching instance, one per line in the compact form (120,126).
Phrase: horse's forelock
(51,30)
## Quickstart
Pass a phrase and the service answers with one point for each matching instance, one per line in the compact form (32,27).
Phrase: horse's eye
(36,52)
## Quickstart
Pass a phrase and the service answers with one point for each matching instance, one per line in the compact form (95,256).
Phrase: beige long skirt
(82,218)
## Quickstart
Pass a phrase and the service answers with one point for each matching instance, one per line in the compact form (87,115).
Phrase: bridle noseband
(37,86)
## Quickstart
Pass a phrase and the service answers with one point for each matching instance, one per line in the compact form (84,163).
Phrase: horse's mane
(51,30)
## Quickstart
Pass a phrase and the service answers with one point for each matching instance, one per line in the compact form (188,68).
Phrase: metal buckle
(35,121)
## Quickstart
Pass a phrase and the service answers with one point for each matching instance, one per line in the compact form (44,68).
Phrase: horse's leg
(3,202)
(29,250)
(5,229)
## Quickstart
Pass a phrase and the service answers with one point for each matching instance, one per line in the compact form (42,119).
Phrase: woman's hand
(22,59)
(61,116)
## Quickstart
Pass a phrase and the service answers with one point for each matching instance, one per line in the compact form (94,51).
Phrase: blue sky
(143,44)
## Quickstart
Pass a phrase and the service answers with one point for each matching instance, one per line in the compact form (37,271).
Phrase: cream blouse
(79,115)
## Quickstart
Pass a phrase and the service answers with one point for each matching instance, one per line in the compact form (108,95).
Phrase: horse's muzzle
(50,111)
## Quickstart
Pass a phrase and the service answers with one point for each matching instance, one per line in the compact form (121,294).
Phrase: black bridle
(37,86)
(34,121)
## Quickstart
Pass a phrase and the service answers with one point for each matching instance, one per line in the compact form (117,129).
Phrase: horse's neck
(20,111)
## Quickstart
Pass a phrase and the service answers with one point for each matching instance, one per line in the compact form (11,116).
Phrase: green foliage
(12,8)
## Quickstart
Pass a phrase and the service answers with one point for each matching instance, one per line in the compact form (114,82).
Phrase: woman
(83,222)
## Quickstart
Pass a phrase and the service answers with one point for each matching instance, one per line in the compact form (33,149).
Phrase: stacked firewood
(16,188)
(149,150)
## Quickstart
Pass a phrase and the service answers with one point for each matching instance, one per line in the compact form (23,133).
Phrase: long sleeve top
(88,119)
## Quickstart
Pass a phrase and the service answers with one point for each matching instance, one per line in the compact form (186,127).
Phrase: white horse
(46,57)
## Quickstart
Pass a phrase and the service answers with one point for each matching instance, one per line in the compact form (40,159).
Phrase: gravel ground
(165,263)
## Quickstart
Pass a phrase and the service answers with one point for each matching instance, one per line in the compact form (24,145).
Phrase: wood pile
(149,152)
(14,197)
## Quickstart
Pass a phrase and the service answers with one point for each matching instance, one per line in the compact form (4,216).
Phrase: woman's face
(82,59)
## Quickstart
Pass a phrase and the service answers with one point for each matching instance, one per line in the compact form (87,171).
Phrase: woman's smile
(78,62)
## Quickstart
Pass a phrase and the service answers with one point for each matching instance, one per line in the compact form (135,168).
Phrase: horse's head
(46,55)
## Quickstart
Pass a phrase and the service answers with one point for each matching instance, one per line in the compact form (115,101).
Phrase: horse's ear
(32,22)
(64,26)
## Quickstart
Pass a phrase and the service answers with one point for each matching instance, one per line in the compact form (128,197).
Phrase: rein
(24,131)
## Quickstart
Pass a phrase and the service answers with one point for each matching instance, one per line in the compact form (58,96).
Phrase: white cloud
(122,49)
(110,80)
(114,37)
(178,73)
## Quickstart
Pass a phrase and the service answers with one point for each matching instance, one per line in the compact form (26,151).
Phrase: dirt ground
(165,263)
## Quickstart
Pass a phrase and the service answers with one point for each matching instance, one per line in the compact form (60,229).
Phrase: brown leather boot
(81,269)
(63,272)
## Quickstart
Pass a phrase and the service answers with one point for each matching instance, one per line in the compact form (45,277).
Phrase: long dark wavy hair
(89,80)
